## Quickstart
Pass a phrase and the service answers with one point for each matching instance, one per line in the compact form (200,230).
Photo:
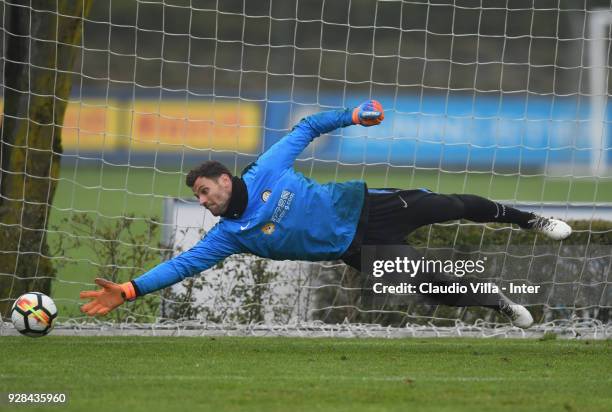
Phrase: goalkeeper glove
(368,113)
(108,298)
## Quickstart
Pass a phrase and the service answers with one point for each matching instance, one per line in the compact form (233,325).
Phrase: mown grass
(280,374)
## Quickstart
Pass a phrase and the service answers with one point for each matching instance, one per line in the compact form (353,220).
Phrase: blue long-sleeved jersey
(288,216)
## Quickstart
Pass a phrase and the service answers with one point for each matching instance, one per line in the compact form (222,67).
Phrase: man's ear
(226,180)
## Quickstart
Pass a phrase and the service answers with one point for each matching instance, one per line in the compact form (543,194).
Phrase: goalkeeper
(274,212)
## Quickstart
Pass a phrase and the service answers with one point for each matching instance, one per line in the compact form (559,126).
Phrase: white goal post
(599,47)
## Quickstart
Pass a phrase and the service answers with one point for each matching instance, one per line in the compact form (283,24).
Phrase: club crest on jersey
(265,195)
(268,228)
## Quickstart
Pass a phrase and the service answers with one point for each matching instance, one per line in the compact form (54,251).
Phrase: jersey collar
(239,199)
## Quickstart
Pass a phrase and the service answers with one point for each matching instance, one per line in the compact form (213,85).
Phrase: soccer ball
(33,314)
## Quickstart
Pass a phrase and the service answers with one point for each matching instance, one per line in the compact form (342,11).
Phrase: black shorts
(392,214)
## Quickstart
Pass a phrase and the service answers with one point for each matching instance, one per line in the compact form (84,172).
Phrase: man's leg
(394,213)
(421,210)
(518,314)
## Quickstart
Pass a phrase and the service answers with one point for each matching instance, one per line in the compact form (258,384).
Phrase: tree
(41,40)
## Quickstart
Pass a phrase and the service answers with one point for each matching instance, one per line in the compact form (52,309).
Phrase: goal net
(507,100)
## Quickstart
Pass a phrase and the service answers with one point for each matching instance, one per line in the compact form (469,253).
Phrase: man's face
(214,194)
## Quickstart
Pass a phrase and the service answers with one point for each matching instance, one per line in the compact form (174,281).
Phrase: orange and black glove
(108,298)
(369,113)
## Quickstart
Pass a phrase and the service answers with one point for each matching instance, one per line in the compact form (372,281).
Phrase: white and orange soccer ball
(33,314)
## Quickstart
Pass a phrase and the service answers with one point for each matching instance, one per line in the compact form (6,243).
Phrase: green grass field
(118,190)
(281,374)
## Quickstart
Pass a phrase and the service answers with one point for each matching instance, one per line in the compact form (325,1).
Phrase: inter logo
(268,228)
(265,195)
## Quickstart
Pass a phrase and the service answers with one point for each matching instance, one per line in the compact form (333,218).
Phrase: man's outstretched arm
(283,153)
(205,254)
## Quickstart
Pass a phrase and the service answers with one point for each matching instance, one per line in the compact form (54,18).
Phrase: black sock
(479,209)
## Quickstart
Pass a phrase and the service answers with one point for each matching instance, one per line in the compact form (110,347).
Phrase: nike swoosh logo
(403,201)
(244,227)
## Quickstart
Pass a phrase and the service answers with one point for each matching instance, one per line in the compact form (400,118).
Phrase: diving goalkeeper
(274,212)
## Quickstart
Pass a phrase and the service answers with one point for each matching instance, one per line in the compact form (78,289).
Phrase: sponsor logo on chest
(283,205)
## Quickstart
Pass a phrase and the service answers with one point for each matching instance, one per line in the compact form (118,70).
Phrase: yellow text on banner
(176,126)
(91,125)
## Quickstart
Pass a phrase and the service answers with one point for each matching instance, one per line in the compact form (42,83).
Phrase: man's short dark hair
(210,169)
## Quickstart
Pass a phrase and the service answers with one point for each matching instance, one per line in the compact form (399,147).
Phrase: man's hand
(108,298)
(369,113)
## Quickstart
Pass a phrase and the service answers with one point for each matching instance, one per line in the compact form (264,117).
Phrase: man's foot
(553,228)
(518,314)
